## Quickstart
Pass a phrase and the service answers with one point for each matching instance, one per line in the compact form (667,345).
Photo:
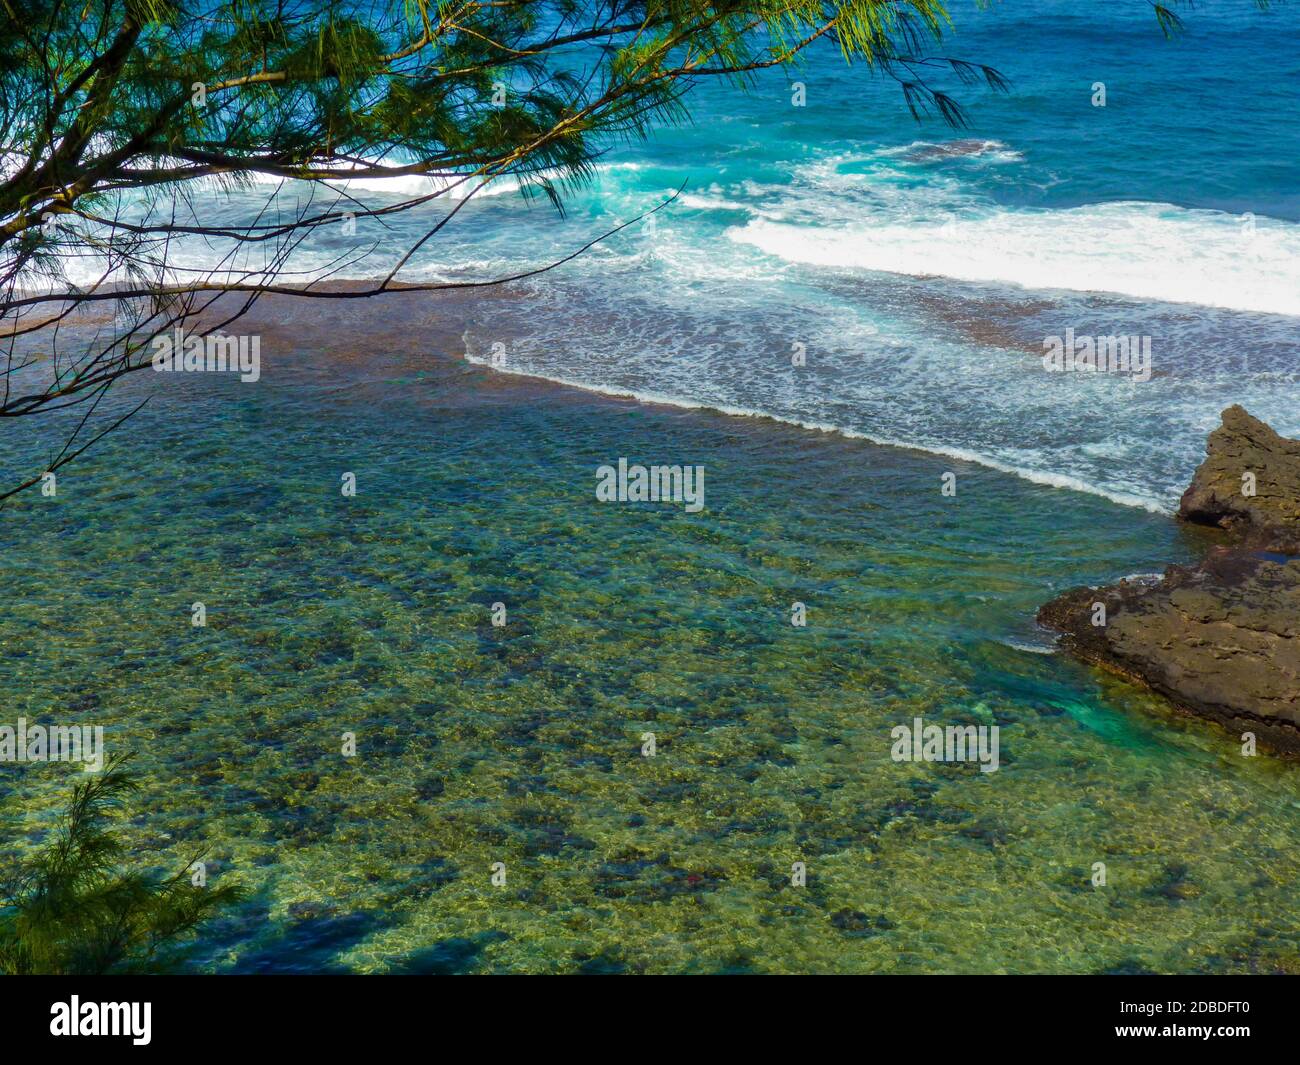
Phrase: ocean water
(921,277)
(522,744)
(919,269)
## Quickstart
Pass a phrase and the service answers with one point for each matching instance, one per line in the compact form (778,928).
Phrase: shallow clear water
(522,744)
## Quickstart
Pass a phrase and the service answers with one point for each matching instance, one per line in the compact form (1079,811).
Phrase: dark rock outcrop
(1222,638)
(1244,449)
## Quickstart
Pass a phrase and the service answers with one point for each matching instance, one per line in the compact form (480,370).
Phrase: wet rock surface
(1220,639)
(1249,481)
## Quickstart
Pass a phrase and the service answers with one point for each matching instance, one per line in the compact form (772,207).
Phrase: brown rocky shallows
(1220,639)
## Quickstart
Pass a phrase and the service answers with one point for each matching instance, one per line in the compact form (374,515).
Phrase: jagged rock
(1222,638)
(1245,446)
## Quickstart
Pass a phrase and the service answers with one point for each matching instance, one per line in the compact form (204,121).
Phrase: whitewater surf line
(1045,479)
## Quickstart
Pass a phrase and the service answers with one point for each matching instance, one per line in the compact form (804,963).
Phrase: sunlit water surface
(522,744)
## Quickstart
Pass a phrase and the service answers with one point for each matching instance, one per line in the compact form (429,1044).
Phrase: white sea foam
(1149,251)
(679,315)
(1030,648)
(1040,477)
(963,148)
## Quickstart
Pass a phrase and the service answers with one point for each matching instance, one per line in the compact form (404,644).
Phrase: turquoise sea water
(921,268)
(922,283)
